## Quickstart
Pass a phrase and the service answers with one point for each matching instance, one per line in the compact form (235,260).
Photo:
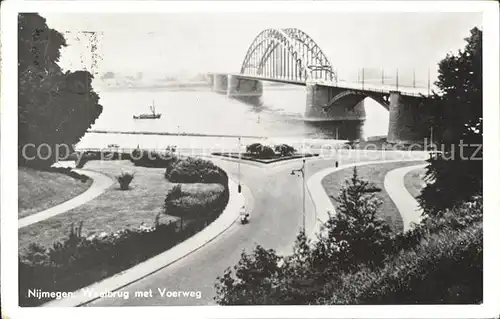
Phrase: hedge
(152,159)
(196,170)
(190,206)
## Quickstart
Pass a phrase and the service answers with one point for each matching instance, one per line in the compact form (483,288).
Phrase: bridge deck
(366,86)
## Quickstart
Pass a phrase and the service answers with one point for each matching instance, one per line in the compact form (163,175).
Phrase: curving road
(275,221)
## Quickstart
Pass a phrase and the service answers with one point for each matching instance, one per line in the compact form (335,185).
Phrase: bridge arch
(289,54)
(382,99)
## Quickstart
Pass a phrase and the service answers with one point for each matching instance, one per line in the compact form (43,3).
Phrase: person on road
(244,215)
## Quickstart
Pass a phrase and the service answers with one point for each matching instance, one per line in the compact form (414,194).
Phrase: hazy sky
(170,44)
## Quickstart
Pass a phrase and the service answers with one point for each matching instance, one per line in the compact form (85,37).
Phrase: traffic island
(268,160)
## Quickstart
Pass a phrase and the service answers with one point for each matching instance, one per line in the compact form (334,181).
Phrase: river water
(279,118)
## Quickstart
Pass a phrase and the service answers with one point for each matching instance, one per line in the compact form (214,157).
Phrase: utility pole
(428,81)
(413,78)
(239,165)
(363,78)
(397,79)
(382,76)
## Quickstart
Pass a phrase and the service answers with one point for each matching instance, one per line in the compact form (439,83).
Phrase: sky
(169,44)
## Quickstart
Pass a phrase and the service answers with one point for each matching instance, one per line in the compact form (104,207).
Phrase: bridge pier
(238,87)
(349,108)
(403,118)
(220,83)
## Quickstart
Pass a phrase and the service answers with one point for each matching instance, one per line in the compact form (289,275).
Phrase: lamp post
(302,172)
(239,165)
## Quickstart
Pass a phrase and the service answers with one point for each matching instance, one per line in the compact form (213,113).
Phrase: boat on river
(152,115)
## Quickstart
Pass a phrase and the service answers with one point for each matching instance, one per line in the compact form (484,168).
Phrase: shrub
(266,152)
(125,179)
(254,148)
(285,150)
(197,204)
(146,158)
(196,170)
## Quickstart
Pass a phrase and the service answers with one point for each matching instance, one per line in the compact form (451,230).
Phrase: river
(279,117)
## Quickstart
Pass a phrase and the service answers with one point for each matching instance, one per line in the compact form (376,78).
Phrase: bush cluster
(125,179)
(261,151)
(285,150)
(146,158)
(190,206)
(195,170)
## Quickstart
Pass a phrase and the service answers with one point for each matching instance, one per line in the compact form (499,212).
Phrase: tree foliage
(54,107)
(456,174)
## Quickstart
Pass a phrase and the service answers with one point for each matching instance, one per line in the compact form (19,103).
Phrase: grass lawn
(376,174)
(40,190)
(414,181)
(115,209)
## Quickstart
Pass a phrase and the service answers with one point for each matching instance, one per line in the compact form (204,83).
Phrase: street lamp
(239,165)
(302,172)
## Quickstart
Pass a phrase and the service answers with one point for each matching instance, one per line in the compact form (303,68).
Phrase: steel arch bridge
(287,54)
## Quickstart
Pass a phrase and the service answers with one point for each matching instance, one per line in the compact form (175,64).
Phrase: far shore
(172,134)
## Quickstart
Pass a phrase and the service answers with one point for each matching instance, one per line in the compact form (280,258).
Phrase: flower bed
(269,160)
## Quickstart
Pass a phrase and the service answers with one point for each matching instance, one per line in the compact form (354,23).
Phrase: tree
(355,235)
(256,280)
(55,108)
(456,175)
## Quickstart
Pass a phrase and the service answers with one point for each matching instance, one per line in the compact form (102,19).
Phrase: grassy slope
(376,174)
(414,181)
(115,209)
(40,190)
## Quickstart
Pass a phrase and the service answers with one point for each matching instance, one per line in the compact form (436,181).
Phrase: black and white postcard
(296,159)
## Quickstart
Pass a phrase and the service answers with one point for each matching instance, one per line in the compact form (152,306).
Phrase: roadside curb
(100,183)
(321,200)
(406,204)
(163,260)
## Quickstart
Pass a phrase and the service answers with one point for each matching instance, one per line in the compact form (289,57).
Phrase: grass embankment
(414,181)
(380,143)
(376,174)
(40,190)
(115,209)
